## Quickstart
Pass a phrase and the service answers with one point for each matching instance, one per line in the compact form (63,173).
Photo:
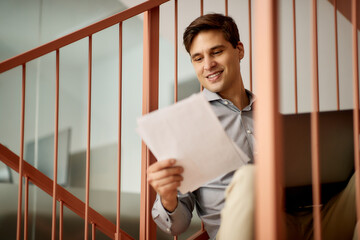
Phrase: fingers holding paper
(165,178)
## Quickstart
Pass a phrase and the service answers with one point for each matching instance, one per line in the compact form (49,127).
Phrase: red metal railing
(355,61)
(269,162)
(21,160)
(97,223)
(119,136)
(150,103)
(295,57)
(55,146)
(151,68)
(315,127)
(66,198)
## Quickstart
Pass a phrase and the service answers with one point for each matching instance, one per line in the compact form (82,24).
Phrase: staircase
(29,176)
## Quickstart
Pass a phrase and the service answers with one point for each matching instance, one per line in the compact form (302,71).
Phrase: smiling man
(215,50)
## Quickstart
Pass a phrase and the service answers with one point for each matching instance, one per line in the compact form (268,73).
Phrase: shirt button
(226,102)
(248,131)
(168,229)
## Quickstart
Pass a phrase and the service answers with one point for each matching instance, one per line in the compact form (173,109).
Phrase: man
(215,50)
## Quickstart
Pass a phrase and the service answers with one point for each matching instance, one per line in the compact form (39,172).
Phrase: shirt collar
(211,96)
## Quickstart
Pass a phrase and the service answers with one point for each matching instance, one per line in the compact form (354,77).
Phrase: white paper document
(190,132)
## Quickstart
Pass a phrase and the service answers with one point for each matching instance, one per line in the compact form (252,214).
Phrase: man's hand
(165,178)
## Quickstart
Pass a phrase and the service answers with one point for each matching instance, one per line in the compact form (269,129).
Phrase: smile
(214,76)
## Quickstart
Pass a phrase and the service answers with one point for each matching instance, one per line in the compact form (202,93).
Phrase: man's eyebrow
(211,49)
(217,46)
(195,55)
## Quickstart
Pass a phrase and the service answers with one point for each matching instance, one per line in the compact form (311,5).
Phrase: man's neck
(240,100)
(237,95)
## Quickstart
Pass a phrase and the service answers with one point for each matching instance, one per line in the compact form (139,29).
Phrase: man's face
(216,61)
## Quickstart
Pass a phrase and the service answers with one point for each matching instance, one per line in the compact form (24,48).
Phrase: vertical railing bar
(144,185)
(356,107)
(201,7)
(250,47)
(144,190)
(295,58)
(21,159)
(176,57)
(53,229)
(336,56)
(315,128)
(118,205)
(26,208)
(226,8)
(268,182)
(88,141)
(93,231)
(150,103)
(201,14)
(153,104)
(176,51)
(61,220)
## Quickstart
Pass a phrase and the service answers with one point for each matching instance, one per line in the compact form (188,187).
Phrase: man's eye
(197,59)
(218,52)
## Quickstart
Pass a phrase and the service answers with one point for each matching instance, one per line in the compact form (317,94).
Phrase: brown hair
(213,21)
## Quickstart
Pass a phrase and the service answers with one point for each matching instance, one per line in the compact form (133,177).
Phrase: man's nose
(209,63)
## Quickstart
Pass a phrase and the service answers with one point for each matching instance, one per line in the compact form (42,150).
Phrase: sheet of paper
(190,132)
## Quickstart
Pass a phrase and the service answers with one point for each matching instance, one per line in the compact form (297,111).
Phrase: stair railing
(28,173)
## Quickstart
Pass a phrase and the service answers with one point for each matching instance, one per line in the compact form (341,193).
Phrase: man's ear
(240,48)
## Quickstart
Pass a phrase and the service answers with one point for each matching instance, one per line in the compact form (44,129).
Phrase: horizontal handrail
(71,202)
(77,35)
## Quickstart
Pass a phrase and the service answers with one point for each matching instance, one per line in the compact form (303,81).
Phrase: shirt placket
(249,136)
(244,128)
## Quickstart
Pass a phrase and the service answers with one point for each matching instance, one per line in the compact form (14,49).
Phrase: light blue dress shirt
(209,199)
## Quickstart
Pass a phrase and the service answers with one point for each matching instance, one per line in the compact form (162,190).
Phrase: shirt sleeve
(177,221)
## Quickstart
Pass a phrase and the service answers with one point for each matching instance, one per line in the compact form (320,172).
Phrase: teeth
(214,75)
